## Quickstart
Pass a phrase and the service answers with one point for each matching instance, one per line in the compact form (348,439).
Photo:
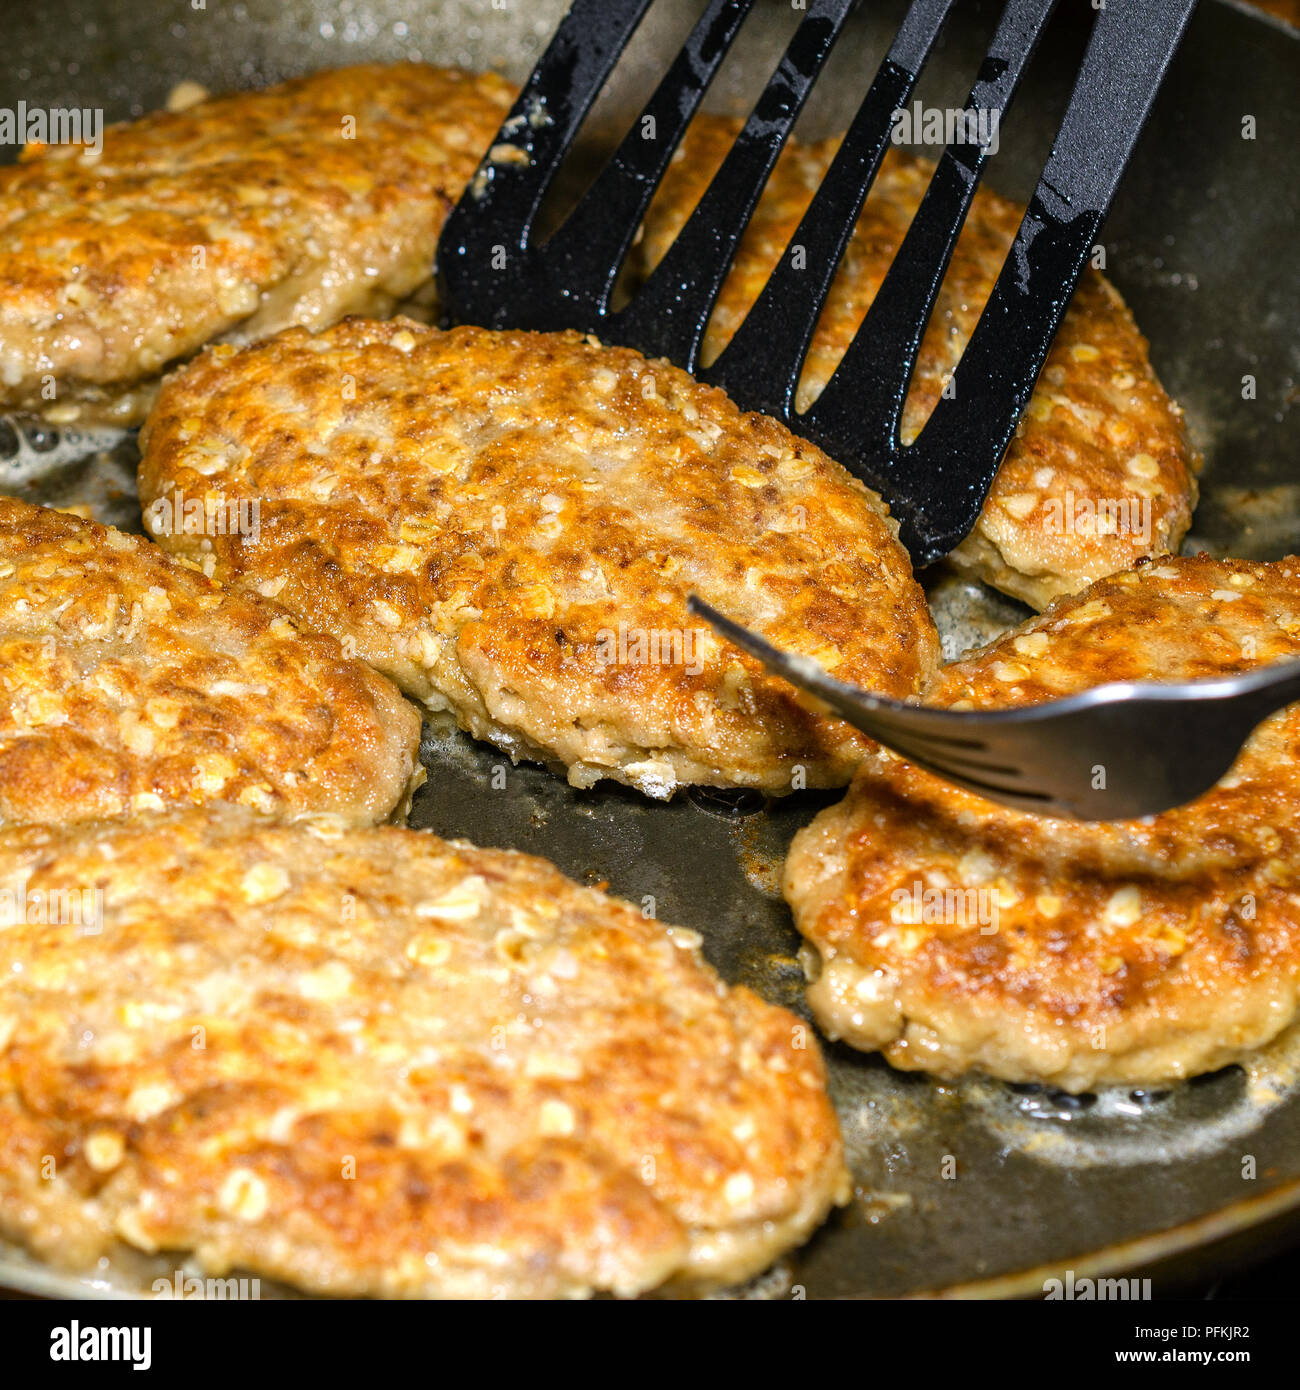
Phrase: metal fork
(493,272)
(1115,752)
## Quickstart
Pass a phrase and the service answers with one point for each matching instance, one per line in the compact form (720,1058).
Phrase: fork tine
(866,393)
(586,253)
(907,729)
(1044,757)
(993,791)
(924,751)
(542,125)
(761,363)
(1128,52)
(668,316)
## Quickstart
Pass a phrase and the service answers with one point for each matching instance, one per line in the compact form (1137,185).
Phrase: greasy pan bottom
(969,1189)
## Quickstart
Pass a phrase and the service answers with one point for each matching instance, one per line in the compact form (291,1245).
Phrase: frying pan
(967,1189)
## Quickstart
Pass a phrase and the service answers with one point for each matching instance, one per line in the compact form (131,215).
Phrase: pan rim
(1140,1252)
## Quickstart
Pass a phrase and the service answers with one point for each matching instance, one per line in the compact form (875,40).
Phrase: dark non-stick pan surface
(976,1187)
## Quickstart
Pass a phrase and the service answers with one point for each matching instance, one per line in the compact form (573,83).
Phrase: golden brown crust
(1132,951)
(1101,455)
(128,682)
(317,198)
(508,524)
(375,1062)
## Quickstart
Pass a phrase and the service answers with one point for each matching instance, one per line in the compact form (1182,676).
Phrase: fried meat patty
(508,524)
(957,934)
(374,1062)
(128,682)
(1100,473)
(301,203)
